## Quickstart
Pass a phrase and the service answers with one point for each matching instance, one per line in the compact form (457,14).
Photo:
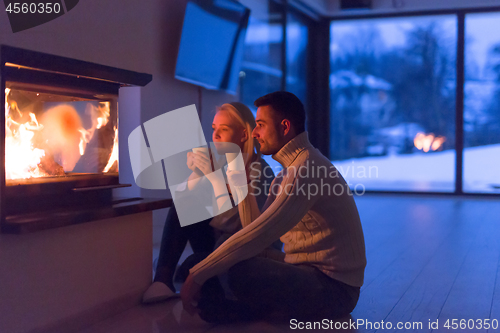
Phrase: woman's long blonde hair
(251,148)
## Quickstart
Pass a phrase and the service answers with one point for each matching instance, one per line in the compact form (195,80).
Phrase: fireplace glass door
(54,134)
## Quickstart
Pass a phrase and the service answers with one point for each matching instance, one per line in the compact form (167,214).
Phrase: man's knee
(242,275)
(245,268)
(253,277)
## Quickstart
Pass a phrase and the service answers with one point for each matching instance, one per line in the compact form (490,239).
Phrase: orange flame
(103,111)
(428,142)
(21,159)
(114,153)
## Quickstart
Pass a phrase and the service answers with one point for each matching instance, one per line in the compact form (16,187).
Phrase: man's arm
(283,214)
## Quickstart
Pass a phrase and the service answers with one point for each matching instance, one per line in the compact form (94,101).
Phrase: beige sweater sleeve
(247,207)
(282,214)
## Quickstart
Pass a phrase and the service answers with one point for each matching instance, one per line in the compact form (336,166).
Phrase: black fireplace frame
(27,67)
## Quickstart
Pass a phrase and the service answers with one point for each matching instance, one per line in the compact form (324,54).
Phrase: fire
(103,111)
(35,150)
(21,158)
(114,153)
(428,142)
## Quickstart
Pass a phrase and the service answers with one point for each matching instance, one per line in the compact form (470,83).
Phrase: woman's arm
(216,178)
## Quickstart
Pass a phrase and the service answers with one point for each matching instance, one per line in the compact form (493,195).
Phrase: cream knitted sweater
(310,208)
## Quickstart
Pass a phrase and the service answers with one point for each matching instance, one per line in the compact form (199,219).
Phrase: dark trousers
(200,235)
(270,290)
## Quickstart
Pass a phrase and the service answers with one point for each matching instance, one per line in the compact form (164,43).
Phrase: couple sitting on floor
(247,276)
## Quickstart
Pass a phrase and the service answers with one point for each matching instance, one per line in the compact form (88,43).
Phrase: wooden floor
(430,258)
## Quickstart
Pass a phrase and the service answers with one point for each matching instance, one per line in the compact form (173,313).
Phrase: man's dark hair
(288,106)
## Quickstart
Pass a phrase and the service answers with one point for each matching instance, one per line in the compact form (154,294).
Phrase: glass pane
(48,134)
(261,68)
(482,103)
(296,57)
(261,71)
(392,87)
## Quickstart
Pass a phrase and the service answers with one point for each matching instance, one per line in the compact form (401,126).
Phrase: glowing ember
(428,142)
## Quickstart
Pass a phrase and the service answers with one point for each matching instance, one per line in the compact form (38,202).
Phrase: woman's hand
(191,165)
(204,164)
(201,161)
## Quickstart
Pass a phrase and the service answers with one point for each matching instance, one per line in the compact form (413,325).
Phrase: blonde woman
(233,123)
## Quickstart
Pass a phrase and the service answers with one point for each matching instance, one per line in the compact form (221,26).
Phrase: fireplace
(60,135)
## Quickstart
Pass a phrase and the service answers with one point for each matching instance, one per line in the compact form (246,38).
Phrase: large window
(275,48)
(482,103)
(261,71)
(268,56)
(296,56)
(262,68)
(393,84)
(394,121)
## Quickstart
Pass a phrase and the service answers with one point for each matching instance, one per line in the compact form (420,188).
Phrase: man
(311,209)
